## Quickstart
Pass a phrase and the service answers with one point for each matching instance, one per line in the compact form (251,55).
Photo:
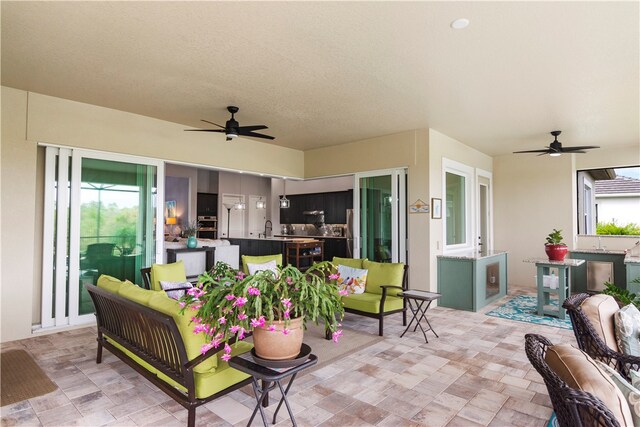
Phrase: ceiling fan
(232,128)
(556,149)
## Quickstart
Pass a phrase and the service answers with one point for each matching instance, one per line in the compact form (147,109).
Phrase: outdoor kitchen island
(271,245)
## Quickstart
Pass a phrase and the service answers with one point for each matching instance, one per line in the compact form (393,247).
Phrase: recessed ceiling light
(460,23)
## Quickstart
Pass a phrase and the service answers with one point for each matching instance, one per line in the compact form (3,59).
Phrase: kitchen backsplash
(311,230)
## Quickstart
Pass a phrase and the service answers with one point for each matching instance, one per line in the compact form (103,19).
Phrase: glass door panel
(114,234)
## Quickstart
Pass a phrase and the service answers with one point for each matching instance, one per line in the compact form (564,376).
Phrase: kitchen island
(265,246)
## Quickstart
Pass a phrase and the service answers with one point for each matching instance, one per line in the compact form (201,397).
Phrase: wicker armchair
(590,342)
(573,408)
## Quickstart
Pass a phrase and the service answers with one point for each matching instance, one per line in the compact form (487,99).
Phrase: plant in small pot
(274,305)
(556,250)
(190,229)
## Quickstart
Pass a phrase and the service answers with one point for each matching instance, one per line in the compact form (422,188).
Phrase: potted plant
(190,229)
(555,248)
(273,305)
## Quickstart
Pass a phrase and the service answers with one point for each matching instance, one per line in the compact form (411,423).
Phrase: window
(458,212)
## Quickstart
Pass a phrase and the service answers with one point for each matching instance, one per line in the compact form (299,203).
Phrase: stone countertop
(632,259)
(473,254)
(279,238)
(569,262)
(294,236)
(598,251)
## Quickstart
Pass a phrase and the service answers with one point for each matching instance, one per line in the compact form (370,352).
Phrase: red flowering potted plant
(272,305)
(555,249)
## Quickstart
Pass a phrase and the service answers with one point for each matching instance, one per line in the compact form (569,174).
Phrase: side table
(544,267)
(271,378)
(416,300)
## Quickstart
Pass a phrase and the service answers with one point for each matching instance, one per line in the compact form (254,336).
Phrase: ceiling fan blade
(545,151)
(255,135)
(574,151)
(251,128)
(211,123)
(580,147)
(204,130)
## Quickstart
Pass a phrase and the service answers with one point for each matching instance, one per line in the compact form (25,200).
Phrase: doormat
(21,378)
(524,308)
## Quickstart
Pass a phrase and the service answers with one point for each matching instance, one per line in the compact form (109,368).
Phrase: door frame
(480,173)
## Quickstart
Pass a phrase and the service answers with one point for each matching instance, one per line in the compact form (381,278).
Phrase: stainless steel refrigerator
(348,233)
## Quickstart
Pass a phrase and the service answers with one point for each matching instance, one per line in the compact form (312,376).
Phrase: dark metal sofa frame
(590,342)
(153,337)
(381,314)
(573,408)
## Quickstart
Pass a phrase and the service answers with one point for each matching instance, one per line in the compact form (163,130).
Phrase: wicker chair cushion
(631,393)
(627,321)
(600,310)
(580,371)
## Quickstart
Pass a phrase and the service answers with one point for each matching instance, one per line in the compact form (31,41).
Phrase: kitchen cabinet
(334,204)
(633,272)
(207,204)
(334,247)
(473,280)
(581,275)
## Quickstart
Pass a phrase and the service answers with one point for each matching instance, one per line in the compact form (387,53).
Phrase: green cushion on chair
(192,342)
(215,380)
(109,283)
(349,262)
(370,303)
(248,259)
(137,294)
(135,358)
(173,272)
(383,273)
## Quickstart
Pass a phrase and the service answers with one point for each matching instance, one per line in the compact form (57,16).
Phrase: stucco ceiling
(326,73)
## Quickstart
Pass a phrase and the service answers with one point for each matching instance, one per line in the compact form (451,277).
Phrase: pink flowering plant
(227,304)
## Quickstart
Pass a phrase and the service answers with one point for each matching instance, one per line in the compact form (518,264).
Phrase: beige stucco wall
(29,118)
(406,149)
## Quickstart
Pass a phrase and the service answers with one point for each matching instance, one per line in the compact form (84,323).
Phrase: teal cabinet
(470,282)
(633,272)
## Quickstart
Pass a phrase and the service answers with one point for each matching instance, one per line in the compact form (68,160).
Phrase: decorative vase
(556,252)
(192,242)
(275,345)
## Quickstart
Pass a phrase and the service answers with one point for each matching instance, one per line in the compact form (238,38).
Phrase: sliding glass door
(380,217)
(100,218)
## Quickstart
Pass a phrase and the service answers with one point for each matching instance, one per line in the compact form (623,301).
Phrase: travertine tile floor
(475,374)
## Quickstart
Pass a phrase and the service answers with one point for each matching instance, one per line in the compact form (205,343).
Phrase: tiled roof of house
(621,184)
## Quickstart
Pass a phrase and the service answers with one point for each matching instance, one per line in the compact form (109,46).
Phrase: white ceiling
(326,73)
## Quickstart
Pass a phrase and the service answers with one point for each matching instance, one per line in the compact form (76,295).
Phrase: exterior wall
(30,118)
(623,209)
(406,149)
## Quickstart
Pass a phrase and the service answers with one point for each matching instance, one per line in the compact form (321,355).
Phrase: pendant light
(261,204)
(284,202)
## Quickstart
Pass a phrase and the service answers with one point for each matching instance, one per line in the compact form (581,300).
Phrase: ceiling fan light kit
(555,149)
(232,128)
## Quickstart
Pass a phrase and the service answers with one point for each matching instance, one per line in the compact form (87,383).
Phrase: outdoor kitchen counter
(473,254)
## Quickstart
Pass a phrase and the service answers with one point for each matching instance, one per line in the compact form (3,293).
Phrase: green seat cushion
(133,357)
(383,273)
(109,283)
(248,259)
(173,272)
(136,294)
(370,303)
(215,380)
(192,342)
(349,262)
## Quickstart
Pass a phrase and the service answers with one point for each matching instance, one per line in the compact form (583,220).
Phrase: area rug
(524,308)
(21,378)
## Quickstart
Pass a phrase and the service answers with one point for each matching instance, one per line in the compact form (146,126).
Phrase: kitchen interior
(245,209)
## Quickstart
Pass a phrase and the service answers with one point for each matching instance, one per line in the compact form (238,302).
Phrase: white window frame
(468,172)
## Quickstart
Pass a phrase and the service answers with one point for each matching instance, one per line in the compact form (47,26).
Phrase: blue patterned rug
(523,308)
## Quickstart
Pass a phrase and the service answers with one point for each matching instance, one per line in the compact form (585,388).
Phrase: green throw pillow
(136,294)
(109,283)
(248,259)
(630,393)
(173,272)
(349,262)
(383,273)
(627,328)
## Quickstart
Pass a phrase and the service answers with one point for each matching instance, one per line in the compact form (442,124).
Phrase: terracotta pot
(556,252)
(275,345)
